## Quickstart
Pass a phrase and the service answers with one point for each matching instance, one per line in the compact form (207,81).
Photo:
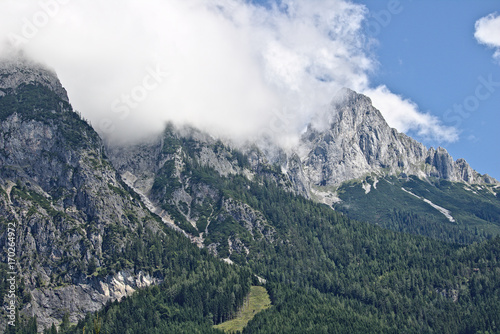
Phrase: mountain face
(92,229)
(362,167)
(359,142)
(73,214)
(177,174)
(352,143)
(17,72)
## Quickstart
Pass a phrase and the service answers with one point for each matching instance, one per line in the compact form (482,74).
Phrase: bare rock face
(65,199)
(18,71)
(358,141)
(74,213)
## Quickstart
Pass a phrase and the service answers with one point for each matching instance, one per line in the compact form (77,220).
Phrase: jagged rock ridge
(358,141)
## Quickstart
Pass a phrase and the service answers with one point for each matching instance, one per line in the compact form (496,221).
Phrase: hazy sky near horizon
(248,68)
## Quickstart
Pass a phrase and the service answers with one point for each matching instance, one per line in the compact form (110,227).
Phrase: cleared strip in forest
(258,300)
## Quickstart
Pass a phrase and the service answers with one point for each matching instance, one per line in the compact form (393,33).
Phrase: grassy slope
(258,300)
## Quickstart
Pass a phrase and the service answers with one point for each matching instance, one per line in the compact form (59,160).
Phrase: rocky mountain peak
(357,141)
(352,139)
(346,96)
(348,110)
(20,70)
(358,107)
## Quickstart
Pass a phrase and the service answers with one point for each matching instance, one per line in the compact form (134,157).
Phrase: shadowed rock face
(359,141)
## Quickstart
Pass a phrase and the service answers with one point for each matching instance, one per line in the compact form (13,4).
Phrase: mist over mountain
(162,162)
(186,221)
(232,68)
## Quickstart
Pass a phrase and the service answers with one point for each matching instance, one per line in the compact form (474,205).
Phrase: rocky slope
(80,224)
(73,214)
(358,141)
(178,172)
(350,141)
(181,172)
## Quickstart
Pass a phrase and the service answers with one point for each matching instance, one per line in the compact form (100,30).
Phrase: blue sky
(427,52)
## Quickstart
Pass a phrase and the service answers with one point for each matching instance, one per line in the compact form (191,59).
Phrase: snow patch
(409,192)
(468,189)
(375,181)
(444,211)
(367,187)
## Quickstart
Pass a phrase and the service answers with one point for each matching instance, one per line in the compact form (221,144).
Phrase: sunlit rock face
(354,140)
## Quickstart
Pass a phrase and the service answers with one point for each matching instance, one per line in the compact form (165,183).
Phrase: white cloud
(488,32)
(227,66)
(403,114)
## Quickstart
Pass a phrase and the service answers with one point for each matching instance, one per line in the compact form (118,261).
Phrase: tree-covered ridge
(198,290)
(197,296)
(398,204)
(327,273)
(390,276)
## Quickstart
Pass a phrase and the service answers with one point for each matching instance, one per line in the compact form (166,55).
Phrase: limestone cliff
(73,214)
(358,141)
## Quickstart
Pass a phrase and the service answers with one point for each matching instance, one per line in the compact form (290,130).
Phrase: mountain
(325,273)
(82,236)
(167,235)
(358,142)
(353,161)
(64,197)
(348,158)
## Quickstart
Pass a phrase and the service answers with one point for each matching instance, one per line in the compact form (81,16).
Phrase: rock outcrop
(19,71)
(358,141)
(74,215)
(72,212)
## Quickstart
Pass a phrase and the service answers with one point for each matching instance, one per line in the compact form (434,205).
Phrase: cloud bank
(227,66)
(488,32)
